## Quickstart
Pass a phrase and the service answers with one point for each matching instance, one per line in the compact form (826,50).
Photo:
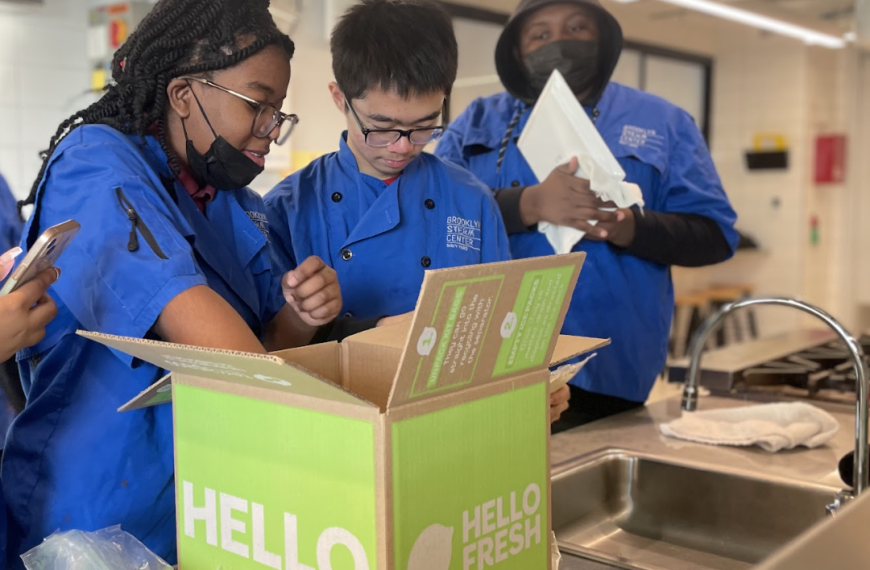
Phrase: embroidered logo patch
(463,234)
(637,137)
(260,220)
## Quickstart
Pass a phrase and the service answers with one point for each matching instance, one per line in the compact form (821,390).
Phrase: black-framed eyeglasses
(266,118)
(380,138)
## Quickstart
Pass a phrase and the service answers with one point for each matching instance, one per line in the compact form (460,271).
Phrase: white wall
(860,171)
(321,123)
(476,73)
(760,87)
(43,73)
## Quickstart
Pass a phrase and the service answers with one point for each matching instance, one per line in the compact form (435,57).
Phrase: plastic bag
(107,549)
(565,373)
(555,554)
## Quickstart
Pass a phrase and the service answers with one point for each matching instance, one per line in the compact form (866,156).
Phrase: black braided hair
(178,37)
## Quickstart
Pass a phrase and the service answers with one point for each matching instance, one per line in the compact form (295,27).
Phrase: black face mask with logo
(223,166)
(576,60)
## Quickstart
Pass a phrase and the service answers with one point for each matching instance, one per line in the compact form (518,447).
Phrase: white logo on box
(180,362)
(433,549)
(271,380)
(426,343)
(509,325)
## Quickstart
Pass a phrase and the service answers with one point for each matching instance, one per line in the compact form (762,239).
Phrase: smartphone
(44,254)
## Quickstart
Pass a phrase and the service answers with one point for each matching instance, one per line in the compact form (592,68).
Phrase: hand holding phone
(25,313)
(42,256)
(7,261)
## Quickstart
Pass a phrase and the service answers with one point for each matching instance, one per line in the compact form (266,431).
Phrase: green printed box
(422,446)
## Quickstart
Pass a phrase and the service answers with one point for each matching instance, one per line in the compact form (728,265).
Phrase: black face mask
(576,60)
(223,167)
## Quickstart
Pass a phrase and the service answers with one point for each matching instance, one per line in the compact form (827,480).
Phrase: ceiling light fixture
(807,35)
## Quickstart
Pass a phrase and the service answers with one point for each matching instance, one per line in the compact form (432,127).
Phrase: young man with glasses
(380,210)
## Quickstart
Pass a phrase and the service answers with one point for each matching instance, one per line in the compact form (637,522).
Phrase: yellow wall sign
(767,142)
(99,78)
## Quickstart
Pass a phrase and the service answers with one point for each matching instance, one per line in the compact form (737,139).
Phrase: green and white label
(451,346)
(470,485)
(528,329)
(264,486)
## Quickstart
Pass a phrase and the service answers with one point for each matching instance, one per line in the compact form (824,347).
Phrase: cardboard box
(422,446)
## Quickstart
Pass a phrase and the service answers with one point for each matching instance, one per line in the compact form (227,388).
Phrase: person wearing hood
(625,292)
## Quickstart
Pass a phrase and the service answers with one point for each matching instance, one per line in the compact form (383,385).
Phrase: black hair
(402,45)
(177,37)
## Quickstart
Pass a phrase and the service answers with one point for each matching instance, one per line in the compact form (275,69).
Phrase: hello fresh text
(225,530)
(501,528)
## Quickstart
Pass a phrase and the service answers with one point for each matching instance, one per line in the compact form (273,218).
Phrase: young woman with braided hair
(173,246)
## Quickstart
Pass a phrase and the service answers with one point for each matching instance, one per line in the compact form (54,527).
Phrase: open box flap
(158,393)
(485,323)
(568,347)
(322,359)
(390,336)
(258,370)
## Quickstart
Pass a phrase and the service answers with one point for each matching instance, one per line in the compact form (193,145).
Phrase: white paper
(559,130)
(565,373)
(555,554)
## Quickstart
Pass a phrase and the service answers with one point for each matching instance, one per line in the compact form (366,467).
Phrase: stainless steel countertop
(574,563)
(836,543)
(739,356)
(638,431)
(719,367)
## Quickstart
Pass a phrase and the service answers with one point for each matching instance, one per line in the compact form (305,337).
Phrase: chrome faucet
(690,393)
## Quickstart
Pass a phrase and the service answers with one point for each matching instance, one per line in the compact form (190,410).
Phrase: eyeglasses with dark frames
(266,117)
(380,138)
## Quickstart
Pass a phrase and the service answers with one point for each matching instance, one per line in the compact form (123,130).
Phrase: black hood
(511,69)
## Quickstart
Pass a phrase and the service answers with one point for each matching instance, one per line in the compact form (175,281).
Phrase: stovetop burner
(821,373)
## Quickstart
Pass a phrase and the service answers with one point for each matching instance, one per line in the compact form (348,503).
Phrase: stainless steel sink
(638,512)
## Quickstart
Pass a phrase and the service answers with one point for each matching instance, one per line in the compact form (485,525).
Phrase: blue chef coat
(10,223)
(619,296)
(72,461)
(381,238)
(10,234)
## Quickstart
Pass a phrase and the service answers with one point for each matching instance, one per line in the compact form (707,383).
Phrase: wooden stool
(739,326)
(690,310)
